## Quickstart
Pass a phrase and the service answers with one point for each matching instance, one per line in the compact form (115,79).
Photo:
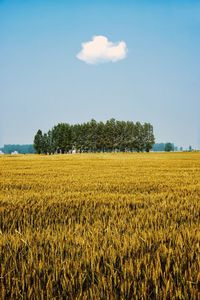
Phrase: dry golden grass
(100,226)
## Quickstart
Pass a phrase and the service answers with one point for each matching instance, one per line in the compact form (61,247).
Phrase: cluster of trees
(23,149)
(168,147)
(94,136)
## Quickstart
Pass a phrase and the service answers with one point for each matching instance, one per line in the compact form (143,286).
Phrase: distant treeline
(23,149)
(164,147)
(94,136)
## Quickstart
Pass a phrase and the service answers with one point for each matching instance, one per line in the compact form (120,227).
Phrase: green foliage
(149,139)
(169,147)
(62,137)
(22,149)
(39,142)
(159,147)
(93,136)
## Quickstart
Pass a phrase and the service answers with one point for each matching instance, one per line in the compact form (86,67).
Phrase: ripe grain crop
(100,226)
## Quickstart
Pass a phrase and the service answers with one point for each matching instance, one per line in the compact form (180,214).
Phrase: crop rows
(100,226)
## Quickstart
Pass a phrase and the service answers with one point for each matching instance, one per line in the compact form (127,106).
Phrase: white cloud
(101,50)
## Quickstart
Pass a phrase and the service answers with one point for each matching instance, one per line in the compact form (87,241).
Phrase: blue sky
(42,82)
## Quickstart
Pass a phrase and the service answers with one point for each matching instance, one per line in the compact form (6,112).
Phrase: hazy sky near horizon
(42,82)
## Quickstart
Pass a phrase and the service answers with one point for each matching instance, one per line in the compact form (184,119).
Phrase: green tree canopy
(38,142)
(93,136)
(169,147)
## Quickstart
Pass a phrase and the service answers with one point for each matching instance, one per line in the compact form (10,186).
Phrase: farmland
(100,226)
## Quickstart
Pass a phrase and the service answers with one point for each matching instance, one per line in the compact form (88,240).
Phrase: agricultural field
(100,226)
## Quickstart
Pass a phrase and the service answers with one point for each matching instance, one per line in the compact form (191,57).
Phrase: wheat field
(100,226)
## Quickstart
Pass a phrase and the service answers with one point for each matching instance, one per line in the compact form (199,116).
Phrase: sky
(71,61)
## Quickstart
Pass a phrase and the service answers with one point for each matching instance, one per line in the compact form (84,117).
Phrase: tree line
(167,147)
(22,149)
(93,136)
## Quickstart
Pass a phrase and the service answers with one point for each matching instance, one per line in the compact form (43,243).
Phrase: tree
(100,136)
(23,149)
(45,144)
(94,136)
(61,137)
(159,147)
(138,144)
(149,139)
(76,137)
(38,142)
(130,137)
(169,147)
(110,135)
(51,142)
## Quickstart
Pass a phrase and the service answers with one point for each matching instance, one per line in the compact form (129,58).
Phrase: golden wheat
(100,226)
